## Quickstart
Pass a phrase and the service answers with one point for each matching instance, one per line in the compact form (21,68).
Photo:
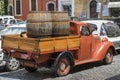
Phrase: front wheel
(108,57)
(63,67)
(30,69)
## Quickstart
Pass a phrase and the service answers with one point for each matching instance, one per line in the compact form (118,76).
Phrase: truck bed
(43,45)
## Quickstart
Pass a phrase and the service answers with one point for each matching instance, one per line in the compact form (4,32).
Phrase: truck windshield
(112,29)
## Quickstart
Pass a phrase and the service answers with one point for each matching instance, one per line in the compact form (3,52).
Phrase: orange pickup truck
(59,53)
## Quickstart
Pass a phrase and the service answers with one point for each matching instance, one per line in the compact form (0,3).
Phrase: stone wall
(80,8)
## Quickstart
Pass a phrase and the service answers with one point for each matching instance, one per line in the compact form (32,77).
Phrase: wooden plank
(60,43)
(10,41)
(73,42)
(45,45)
(28,44)
(50,45)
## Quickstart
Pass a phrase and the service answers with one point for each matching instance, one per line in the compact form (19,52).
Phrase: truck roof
(78,22)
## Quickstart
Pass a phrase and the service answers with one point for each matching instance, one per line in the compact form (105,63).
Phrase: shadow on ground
(44,73)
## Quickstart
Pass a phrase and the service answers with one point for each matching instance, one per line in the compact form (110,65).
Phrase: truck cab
(89,44)
(108,29)
(60,53)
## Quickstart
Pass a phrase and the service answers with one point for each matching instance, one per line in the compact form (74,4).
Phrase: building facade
(20,8)
(75,8)
(94,9)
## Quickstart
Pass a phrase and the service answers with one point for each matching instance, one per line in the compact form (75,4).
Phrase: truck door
(85,43)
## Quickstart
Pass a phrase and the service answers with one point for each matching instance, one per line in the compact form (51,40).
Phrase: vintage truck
(59,53)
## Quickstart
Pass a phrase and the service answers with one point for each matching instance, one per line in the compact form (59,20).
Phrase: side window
(112,30)
(0,21)
(12,22)
(84,31)
(92,26)
(102,30)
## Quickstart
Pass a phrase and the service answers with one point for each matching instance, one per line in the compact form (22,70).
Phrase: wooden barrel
(38,16)
(39,30)
(39,24)
(45,24)
(60,28)
(59,16)
(60,23)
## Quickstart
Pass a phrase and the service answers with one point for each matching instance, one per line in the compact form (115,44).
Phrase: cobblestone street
(91,71)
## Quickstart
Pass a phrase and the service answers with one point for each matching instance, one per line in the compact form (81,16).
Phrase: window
(93,6)
(112,29)
(67,8)
(33,5)
(10,11)
(93,27)
(18,7)
(102,31)
(51,7)
(12,22)
(0,21)
(84,31)
(115,12)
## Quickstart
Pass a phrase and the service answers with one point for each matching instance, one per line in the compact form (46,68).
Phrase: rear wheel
(30,69)
(108,57)
(12,64)
(63,67)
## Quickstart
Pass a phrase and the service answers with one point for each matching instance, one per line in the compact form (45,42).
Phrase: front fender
(101,50)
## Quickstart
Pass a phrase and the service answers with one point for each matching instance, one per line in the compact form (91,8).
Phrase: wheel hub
(108,55)
(13,63)
(62,66)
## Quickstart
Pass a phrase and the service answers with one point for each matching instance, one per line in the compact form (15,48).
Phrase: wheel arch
(113,49)
(67,54)
(110,47)
(108,59)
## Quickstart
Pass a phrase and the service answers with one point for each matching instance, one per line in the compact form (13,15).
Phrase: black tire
(30,69)
(63,67)
(12,64)
(108,57)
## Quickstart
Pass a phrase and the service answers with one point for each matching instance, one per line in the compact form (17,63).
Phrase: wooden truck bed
(43,46)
